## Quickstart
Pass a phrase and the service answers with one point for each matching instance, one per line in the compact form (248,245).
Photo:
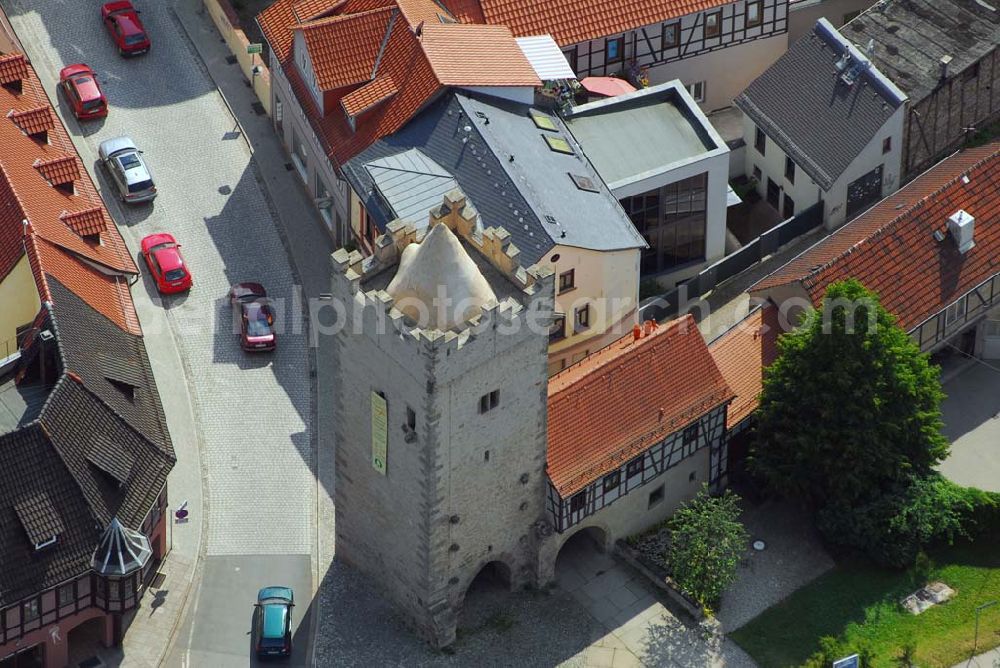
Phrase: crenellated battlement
(375,307)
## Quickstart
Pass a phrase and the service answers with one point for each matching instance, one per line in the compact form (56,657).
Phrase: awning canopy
(607,86)
(546,57)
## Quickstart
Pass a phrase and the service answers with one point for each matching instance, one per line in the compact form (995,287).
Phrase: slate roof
(86,451)
(911,36)
(804,107)
(742,353)
(891,248)
(518,194)
(575,21)
(625,398)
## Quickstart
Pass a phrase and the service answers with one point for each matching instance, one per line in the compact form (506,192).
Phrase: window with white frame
(954,313)
(697,91)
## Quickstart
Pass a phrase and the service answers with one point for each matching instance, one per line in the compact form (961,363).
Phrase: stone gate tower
(440,412)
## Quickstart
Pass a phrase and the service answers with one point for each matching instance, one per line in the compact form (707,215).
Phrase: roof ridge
(889,225)
(638,443)
(342,18)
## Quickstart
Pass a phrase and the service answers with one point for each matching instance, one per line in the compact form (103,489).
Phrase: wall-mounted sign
(380,430)
(254,48)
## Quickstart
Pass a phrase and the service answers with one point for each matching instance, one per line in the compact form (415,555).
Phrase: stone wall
(463,488)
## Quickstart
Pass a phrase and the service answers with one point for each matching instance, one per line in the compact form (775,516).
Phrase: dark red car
(123,24)
(79,84)
(256,317)
(163,257)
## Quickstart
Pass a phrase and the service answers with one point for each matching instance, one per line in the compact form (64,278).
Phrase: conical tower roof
(438,285)
(121,551)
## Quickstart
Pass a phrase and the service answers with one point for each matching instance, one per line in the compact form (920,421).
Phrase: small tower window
(411,418)
(489,401)
(655,497)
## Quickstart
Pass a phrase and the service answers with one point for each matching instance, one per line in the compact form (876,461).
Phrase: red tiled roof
(574,21)
(369,95)
(350,47)
(465,11)
(343,49)
(742,354)
(86,222)
(32,121)
(310,10)
(891,248)
(427,12)
(476,55)
(59,170)
(625,398)
(51,237)
(403,60)
(13,67)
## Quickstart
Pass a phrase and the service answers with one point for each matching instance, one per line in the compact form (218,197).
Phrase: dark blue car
(273,621)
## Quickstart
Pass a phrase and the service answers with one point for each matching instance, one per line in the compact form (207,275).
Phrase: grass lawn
(857,603)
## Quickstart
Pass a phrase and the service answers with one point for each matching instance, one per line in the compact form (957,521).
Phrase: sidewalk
(990,659)
(159,612)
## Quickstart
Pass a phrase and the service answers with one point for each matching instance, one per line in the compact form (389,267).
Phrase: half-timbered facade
(715,48)
(634,430)
(648,472)
(689,48)
(928,251)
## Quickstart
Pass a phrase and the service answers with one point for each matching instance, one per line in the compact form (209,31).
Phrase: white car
(128,170)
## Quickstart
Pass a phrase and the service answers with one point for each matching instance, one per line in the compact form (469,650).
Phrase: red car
(123,24)
(163,257)
(79,84)
(256,321)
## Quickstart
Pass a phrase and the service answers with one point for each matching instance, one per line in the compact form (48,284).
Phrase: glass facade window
(672,221)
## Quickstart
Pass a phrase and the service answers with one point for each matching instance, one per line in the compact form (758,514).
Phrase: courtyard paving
(971,415)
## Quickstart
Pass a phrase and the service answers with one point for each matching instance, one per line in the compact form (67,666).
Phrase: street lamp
(980,608)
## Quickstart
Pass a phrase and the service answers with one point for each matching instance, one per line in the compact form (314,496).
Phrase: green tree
(706,541)
(850,406)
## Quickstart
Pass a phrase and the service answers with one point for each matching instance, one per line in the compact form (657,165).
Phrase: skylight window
(543,121)
(558,144)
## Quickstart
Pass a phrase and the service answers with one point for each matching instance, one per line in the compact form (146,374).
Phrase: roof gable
(826,123)
(344,50)
(742,353)
(625,398)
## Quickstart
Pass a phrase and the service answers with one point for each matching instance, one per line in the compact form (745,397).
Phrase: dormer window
(45,543)
(61,173)
(39,520)
(89,224)
(35,122)
(13,72)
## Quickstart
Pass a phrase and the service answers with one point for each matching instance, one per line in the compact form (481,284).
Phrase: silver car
(127,169)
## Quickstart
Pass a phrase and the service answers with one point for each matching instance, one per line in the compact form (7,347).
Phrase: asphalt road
(252,414)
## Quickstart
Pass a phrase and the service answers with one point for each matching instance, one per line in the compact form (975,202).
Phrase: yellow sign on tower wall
(380,432)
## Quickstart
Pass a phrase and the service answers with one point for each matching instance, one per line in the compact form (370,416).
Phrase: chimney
(944,62)
(636,332)
(961,224)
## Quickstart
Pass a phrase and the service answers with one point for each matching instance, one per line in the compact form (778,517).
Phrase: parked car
(79,84)
(273,621)
(256,317)
(123,24)
(127,169)
(163,257)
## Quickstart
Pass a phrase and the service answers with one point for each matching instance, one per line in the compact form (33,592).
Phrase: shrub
(706,541)
(899,523)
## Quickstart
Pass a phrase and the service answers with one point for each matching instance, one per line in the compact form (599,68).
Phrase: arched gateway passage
(581,558)
(486,597)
